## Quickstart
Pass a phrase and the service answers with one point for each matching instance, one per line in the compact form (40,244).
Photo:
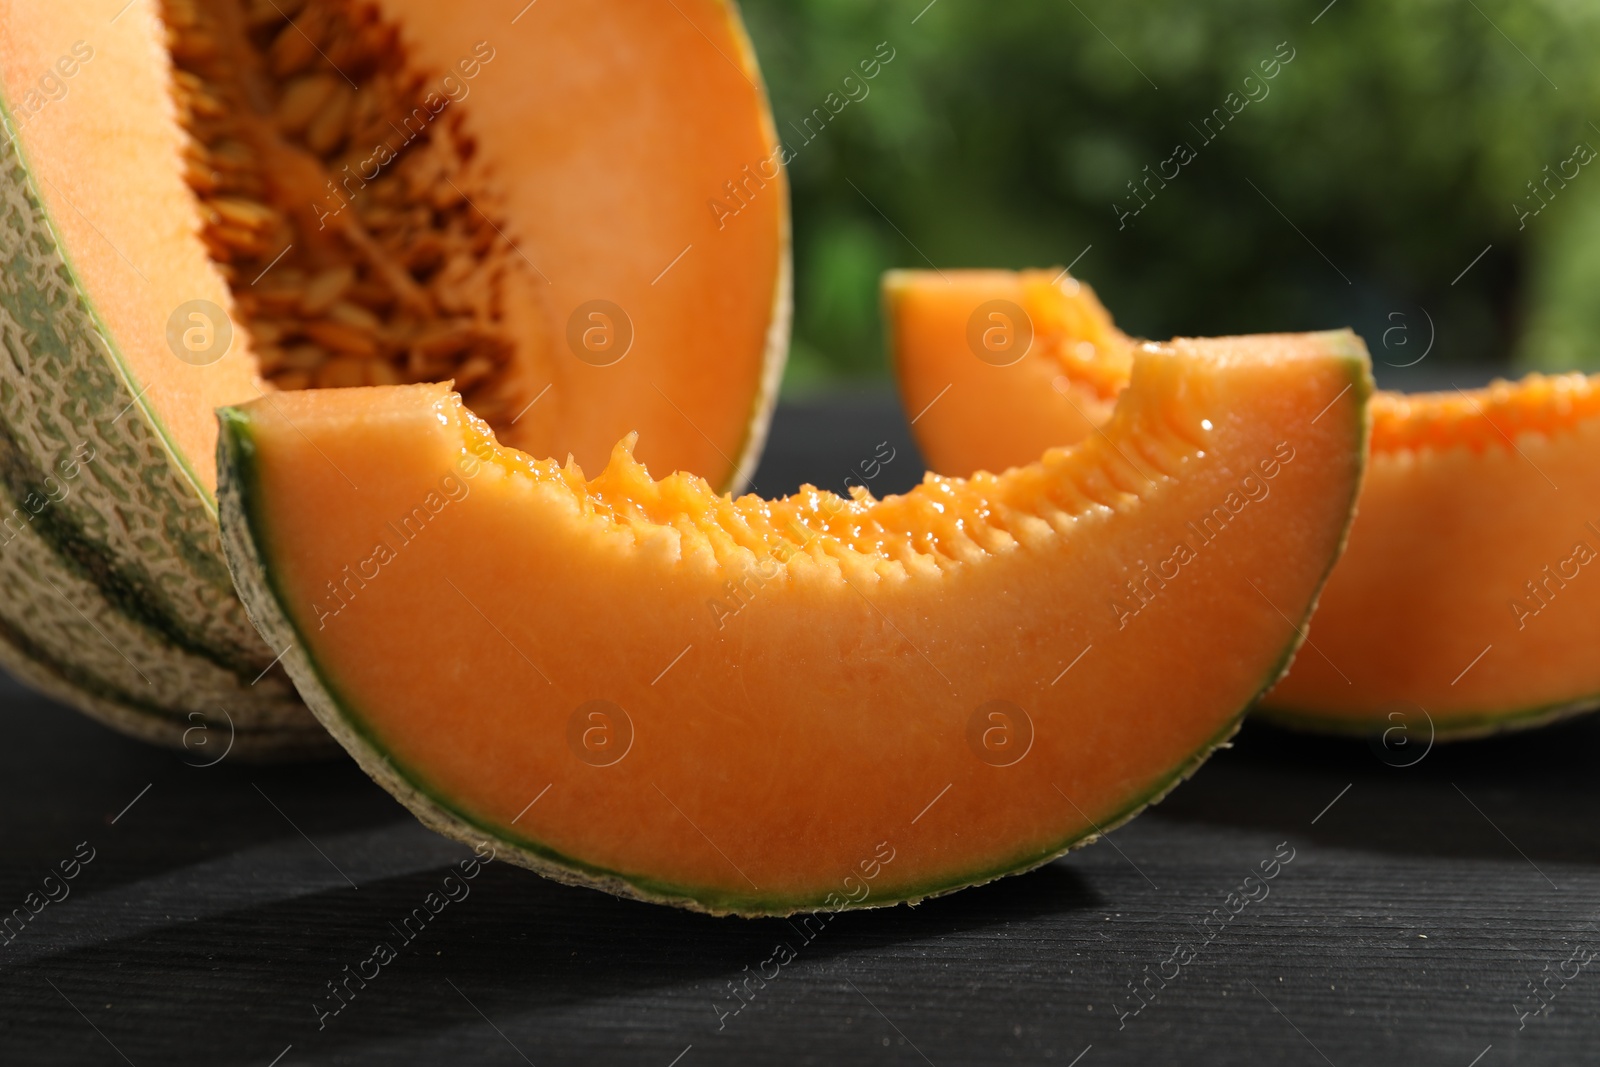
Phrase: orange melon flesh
(660,107)
(1466,599)
(991,363)
(604,126)
(1463,603)
(798,695)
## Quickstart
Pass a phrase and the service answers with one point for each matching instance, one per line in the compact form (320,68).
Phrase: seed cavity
(341,276)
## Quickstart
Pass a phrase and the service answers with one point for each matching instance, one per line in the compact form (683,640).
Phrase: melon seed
(233,238)
(181,14)
(341,373)
(381,373)
(246,214)
(194,46)
(327,130)
(342,338)
(444,340)
(472,372)
(370,295)
(262,331)
(408,285)
(304,357)
(326,288)
(355,316)
(301,101)
(279,301)
(295,46)
(200,177)
(263,14)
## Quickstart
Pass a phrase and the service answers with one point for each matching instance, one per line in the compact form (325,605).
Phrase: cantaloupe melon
(1464,603)
(214,200)
(763,706)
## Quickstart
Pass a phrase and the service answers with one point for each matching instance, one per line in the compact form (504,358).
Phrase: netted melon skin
(115,589)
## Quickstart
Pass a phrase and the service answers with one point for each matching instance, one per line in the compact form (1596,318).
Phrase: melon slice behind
(760,707)
(1464,603)
(1469,599)
(217,200)
(992,364)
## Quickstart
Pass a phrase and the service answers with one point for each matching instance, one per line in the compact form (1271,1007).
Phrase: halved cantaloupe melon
(1463,604)
(759,706)
(214,200)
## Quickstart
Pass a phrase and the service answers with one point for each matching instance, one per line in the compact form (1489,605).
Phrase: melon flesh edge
(1469,497)
(103,246)
(778,752)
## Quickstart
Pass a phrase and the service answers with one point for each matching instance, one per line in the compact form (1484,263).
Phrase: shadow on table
(222,979)
(518,943)
(1535,792)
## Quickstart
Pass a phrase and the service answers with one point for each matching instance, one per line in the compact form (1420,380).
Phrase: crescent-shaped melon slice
(762,706)
(1464,603)
(574,209)
(1469,599)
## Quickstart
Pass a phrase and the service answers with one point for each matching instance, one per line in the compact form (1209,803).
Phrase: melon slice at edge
(1464,603)
(761,707)
(601,129)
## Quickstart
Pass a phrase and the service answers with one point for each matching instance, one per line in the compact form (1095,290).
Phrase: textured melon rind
(245,534)
(66,611)
(63,634)
(251,742)
(134,538)
(138,510)
(81,656)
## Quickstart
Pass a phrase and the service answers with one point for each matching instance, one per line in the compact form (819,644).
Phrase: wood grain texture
(1405,929)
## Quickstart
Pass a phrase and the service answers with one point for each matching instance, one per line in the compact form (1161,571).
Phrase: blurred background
(1419,171)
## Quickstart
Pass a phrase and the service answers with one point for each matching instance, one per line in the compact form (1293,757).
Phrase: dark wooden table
(1421,907)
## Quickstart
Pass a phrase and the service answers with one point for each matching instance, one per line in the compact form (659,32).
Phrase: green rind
(245,533)
(1457,728)
(201,732)
(56,616)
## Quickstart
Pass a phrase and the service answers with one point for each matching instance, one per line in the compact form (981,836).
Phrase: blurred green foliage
(1397,140)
